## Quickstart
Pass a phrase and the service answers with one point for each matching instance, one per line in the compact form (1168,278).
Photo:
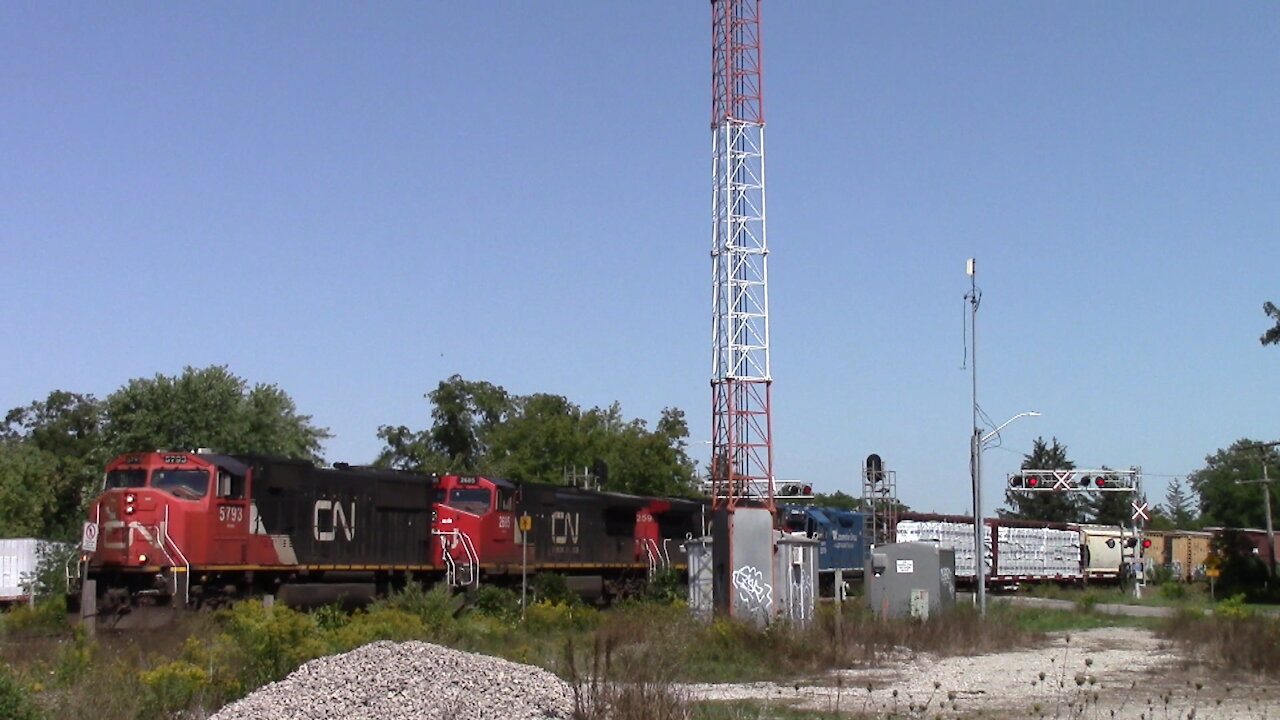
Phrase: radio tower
(741,430)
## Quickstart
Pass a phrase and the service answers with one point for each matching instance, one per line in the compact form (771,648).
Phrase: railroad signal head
(1146,543)
(1131,542)
(1033,481)
(1015,481)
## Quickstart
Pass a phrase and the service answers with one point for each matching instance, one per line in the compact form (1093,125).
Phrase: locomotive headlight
(130,498)
(142,558)
(128,510)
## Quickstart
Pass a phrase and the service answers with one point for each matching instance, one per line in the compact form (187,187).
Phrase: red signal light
(1146,543)
(1033,481)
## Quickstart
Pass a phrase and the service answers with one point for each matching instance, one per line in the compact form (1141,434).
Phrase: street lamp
(977,443)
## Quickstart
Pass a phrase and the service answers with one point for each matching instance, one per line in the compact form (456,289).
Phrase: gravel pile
(413,680)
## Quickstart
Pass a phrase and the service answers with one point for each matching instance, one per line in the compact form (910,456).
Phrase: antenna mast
(741,429)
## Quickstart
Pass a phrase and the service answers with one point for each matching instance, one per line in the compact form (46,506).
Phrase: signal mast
(741,428)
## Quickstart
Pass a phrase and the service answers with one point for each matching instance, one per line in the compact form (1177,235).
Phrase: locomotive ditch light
(142,558)
(130,498)
(128,510)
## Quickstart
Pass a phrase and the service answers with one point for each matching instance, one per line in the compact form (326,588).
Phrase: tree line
(53,451)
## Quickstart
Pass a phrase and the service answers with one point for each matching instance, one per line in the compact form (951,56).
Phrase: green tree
(210,408)
(1272,335)
(479,427)
(51,461)
(1178,506)
(1044,504)
(1223,502)
(1110,508)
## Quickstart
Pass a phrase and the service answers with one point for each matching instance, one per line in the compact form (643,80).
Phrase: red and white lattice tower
(742,443)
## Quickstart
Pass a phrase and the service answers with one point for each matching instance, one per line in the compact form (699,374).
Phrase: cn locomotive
(201,528)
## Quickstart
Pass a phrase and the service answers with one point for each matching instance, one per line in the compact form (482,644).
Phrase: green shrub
(1233,608)
(545,617)
(15,703)
(269,642)
(173,686)
(437,608)
(497,602)
(48,616)
(553,588)
(381,623)
(1172,591)
(74,656)
(1087,602)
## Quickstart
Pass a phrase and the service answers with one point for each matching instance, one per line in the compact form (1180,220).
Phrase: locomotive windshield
(125,479)
(472,500)
(185,484)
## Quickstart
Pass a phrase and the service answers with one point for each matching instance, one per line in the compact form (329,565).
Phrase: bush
(1233,608)
(553,588)
(1172,591)
(15,703)
(545,617)
(497,602)
(378,624)
(269,642)
(173,686)
(48,616)
(437,608)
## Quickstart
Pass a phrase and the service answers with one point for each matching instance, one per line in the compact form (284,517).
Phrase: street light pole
(980,442)
(975,439)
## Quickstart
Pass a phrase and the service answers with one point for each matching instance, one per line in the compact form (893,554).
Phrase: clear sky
(355,201)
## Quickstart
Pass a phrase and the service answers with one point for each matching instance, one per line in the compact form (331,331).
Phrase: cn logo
(329,516)
(564,528)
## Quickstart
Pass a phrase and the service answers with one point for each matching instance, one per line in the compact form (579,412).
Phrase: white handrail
(186,565)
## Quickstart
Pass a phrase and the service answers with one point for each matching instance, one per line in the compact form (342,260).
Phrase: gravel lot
(1123,673)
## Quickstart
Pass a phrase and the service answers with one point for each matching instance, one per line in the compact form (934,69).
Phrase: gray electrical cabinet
(911,579)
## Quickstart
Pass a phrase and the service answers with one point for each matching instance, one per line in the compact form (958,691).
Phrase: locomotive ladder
(654,556)
(466,573)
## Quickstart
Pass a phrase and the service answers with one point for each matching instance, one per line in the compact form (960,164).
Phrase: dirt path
(1123,673)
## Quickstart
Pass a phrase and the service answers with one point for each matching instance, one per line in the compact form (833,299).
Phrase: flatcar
(199,528)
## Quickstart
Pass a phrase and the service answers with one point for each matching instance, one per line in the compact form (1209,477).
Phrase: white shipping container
(19,558)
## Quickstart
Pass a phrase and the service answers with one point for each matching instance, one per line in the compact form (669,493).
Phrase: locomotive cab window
(506,499)
(230,486)
(184,484)
(125,479)
(471,500)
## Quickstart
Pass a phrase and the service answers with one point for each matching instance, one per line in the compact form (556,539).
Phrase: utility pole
(975,443)
(1265,482)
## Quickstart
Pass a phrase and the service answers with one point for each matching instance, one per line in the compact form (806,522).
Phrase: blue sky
(356,201)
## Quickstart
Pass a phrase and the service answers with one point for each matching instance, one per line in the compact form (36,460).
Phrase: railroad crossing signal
(1140,511)
(1074,480)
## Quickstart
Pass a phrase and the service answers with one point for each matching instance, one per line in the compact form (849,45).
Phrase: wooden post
(89,606)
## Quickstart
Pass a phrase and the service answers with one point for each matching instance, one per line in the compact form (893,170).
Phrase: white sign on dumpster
(906,566)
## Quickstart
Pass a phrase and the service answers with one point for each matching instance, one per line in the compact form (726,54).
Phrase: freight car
(201,528)
(1023,552)
(1182,552)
